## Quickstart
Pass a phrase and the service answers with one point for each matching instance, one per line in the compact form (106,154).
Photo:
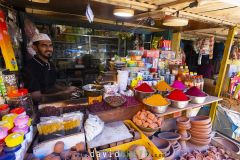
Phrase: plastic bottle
(180,72)
(186,70)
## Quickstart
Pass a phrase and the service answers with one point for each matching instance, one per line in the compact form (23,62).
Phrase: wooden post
(176,42)
(222,71)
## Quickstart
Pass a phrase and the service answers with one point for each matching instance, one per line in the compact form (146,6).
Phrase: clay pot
(183,127)
(183,133)
(200,120)
(186,138)
(171,155)
(162,144)
(227,143)
(200,142)
(170,136)
(148,134)
(199,135)
(202,131)
(201,126)
(183,120)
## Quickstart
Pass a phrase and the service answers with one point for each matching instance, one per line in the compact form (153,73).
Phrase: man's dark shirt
(40,76)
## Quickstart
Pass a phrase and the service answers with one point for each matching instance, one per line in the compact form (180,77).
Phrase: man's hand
(71,89)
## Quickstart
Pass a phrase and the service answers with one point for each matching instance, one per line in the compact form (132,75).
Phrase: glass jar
(22,98)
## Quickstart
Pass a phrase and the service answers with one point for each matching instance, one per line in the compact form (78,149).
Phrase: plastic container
(19,111)
(6,124)
(12,149)
(8,156)
(51,129)
(22,98)
(21,120)
(4,109)
(14,139)
(22,129)
(72,122)
(3,134)
(10,117)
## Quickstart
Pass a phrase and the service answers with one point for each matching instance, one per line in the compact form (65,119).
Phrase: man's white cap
(40,37)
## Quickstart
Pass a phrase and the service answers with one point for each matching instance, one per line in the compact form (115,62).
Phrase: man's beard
(49,56)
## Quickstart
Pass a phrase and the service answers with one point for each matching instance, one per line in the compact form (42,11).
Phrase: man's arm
(43,98)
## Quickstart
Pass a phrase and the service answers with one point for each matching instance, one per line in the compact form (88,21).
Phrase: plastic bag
(51,129)
(72,122)
(93,127)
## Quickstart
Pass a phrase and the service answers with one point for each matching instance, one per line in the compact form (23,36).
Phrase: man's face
(44,49)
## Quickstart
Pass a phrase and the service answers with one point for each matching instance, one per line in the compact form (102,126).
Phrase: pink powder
(194,91)
(178,85)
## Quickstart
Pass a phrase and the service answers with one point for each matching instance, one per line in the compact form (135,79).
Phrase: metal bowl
(179,104)
(115,105)
(139,95)
(198,100)
(93,90)
(157,109)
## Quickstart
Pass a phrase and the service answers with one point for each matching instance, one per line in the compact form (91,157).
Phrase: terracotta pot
(199,135)
(162,144)
(183,120)
(202,131)
(172,154)
(148,134)
(170,136)
(200,120)
(201,126)
(186,138)
(200,142)
(183,133)
(185,127)
(227,143)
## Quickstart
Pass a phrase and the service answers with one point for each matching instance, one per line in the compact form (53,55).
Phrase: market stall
(144,106)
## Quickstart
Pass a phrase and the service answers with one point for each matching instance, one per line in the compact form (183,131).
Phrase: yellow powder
(155,100)
(163,86)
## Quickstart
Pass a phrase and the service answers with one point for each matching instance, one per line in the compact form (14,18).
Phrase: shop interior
(119,80)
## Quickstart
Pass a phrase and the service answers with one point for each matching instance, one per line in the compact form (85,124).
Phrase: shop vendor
(40,73)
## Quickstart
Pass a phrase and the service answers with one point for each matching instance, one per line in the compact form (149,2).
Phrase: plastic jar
(19,111)
(3,134)
(21,97)
(23,129)
(21,120)
(4,109)
(14,139)
(9,117)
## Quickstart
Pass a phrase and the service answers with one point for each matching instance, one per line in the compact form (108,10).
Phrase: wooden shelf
(172,110)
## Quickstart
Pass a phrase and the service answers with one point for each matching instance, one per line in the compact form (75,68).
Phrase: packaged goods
(93,127)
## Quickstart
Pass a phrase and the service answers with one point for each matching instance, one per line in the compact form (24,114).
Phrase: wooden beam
(160,8)
(132,3)
(222,71)
(96,20)
(195,16)
(176,42)
(122,5)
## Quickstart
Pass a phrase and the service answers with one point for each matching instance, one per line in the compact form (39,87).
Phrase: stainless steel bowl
(93,90)
(139,95)
(179,104)
(198,100)
(158,109)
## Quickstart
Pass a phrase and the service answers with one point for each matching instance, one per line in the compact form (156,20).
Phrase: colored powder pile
(177,95)
(155,100)
(144,87)
(178,85)
(163,86)
(194,91)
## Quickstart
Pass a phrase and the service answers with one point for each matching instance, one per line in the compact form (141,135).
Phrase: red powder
(194,91)
(144,87)
(177,95)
